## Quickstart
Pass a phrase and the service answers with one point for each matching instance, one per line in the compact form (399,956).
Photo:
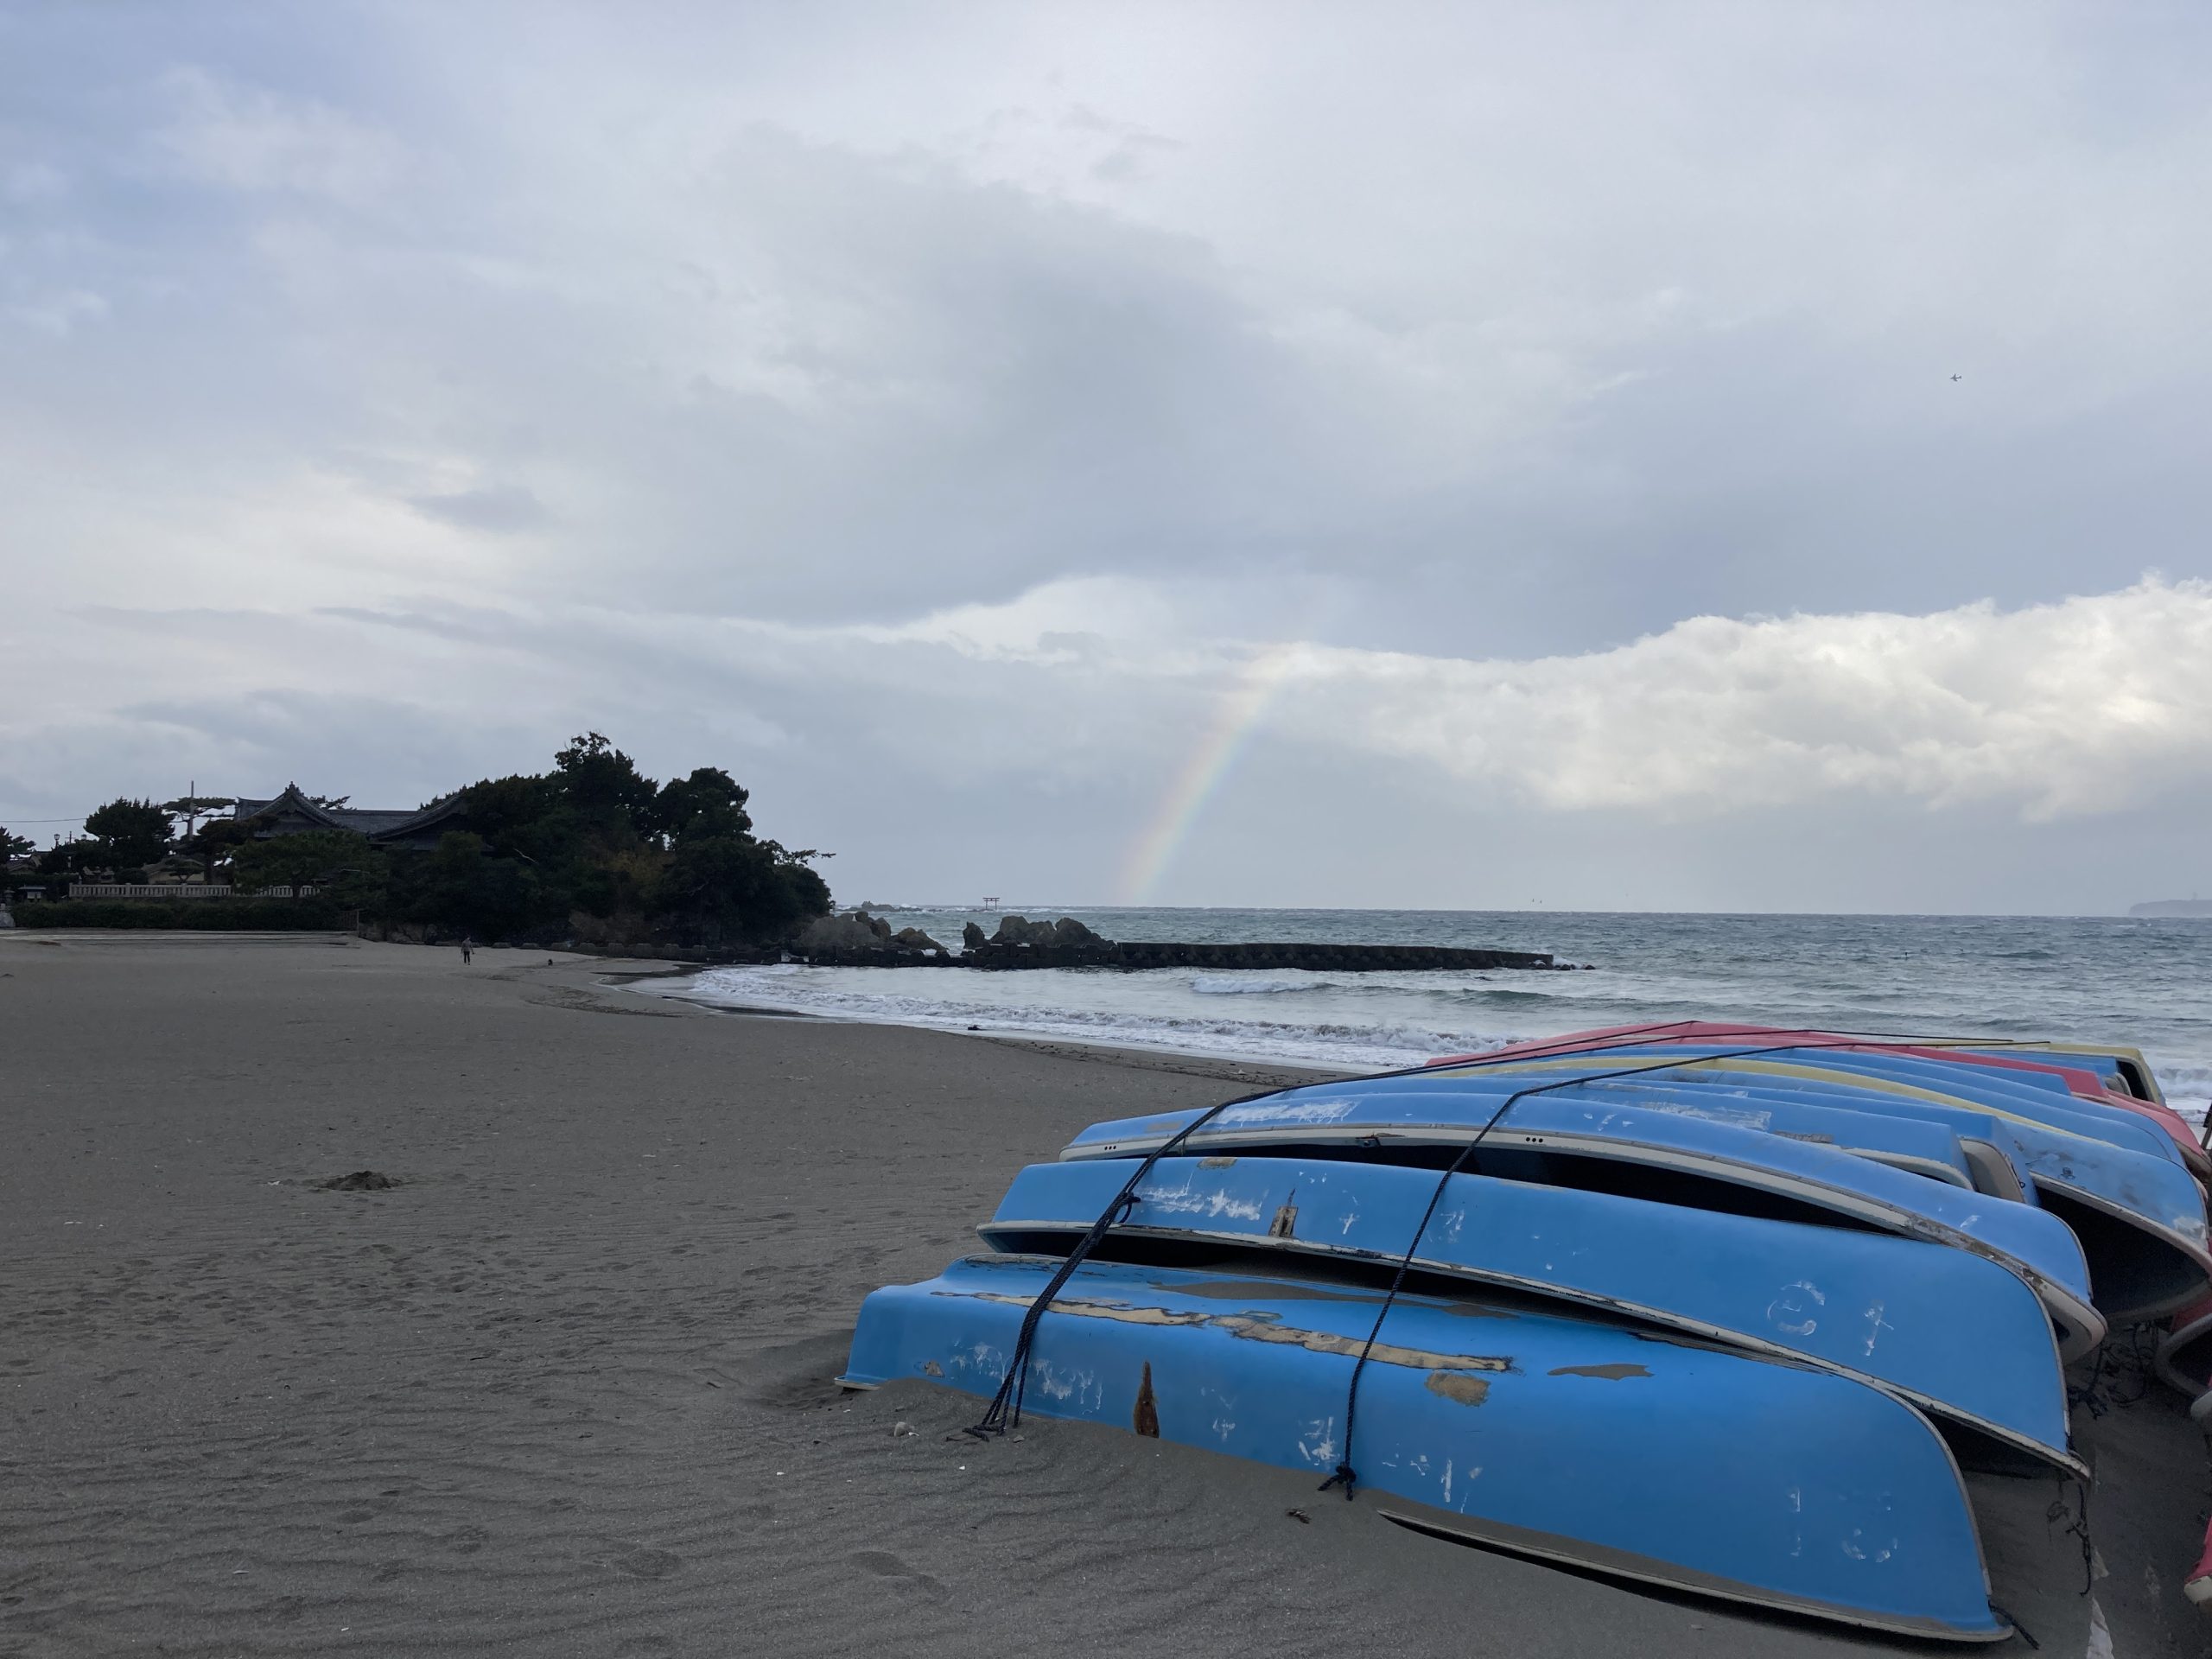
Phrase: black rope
(2113,1367)
(2018,1628)
(1345,1474)
(2078,1527)
(1005,1409)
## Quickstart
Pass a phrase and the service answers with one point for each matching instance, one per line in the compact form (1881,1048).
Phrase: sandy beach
(565,1389)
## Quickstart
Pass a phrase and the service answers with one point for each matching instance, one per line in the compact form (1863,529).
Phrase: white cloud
(953,410)
(2064,709)
(2083,707)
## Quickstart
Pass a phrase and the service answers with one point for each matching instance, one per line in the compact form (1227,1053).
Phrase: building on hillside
(292,813)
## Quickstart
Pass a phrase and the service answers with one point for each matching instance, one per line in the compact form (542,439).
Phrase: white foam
(1154,1009)
(1248,985)
(1650,969)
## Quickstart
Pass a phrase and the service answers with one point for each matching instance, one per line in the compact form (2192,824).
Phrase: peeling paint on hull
(1949,1332)
(1695,1475)
(2039,1247)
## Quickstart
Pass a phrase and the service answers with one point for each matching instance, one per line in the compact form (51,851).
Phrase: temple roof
(377,823)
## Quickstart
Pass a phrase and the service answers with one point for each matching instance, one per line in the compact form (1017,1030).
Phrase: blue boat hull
(2136,1206)
(2044,1101)
(1681,1464)
(1953,1333)
(2124,1188)
(1665,1151)
(1990,1157)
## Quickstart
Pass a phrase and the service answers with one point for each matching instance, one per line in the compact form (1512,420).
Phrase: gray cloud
(509,507)
(954,413)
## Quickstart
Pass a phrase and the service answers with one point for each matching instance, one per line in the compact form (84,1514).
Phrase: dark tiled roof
(371,822)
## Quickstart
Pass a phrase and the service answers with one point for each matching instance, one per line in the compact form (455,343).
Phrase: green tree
(129,832)
(707,804)
(216,840)
(721,887)
(461,884)
(13,846)
(596,836)
(71,855)
(316,858)
(604,786)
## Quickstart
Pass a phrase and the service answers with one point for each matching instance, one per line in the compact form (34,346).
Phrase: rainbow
(1221,744)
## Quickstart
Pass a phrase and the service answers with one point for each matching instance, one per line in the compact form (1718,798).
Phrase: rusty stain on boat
(1146,1417)
(1468,1390)
(1256,1326)
(1215,1163)
(931,1368)
(1611,1373)
(1288,1290)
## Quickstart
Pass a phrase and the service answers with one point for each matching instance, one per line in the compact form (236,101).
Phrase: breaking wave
(2058,977)
(1069,1009)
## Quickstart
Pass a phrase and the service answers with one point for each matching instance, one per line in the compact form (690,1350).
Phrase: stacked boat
(1725,1308)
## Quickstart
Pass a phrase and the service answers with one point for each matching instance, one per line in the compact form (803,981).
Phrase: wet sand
(565,1389)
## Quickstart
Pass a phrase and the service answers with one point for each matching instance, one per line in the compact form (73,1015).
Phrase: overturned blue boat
(1613,1449)
(1912,1318)
(1721,1319)
(2118,1183)
(1664,1155)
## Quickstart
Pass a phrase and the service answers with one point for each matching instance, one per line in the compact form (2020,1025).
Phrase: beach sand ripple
(564,1388)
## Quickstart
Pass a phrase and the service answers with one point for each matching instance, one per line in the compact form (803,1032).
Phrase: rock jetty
(860,940)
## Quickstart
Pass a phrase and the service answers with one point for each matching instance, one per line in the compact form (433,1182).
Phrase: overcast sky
(1692,456)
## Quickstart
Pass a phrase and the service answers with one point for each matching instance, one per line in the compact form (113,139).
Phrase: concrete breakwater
(1138,953)
(860,940)
(857,939)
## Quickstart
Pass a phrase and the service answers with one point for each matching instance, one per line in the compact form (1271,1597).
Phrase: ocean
(2143,982)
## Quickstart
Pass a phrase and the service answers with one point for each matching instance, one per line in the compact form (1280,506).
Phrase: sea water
(2140,982)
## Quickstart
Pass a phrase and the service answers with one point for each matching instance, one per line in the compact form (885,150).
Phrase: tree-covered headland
(591,848)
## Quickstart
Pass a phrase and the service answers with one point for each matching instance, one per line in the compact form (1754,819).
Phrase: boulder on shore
(858,932)
(971,936)
(1063,933)
(858,939)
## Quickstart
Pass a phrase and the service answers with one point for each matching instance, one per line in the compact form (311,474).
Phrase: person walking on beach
(468,945)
